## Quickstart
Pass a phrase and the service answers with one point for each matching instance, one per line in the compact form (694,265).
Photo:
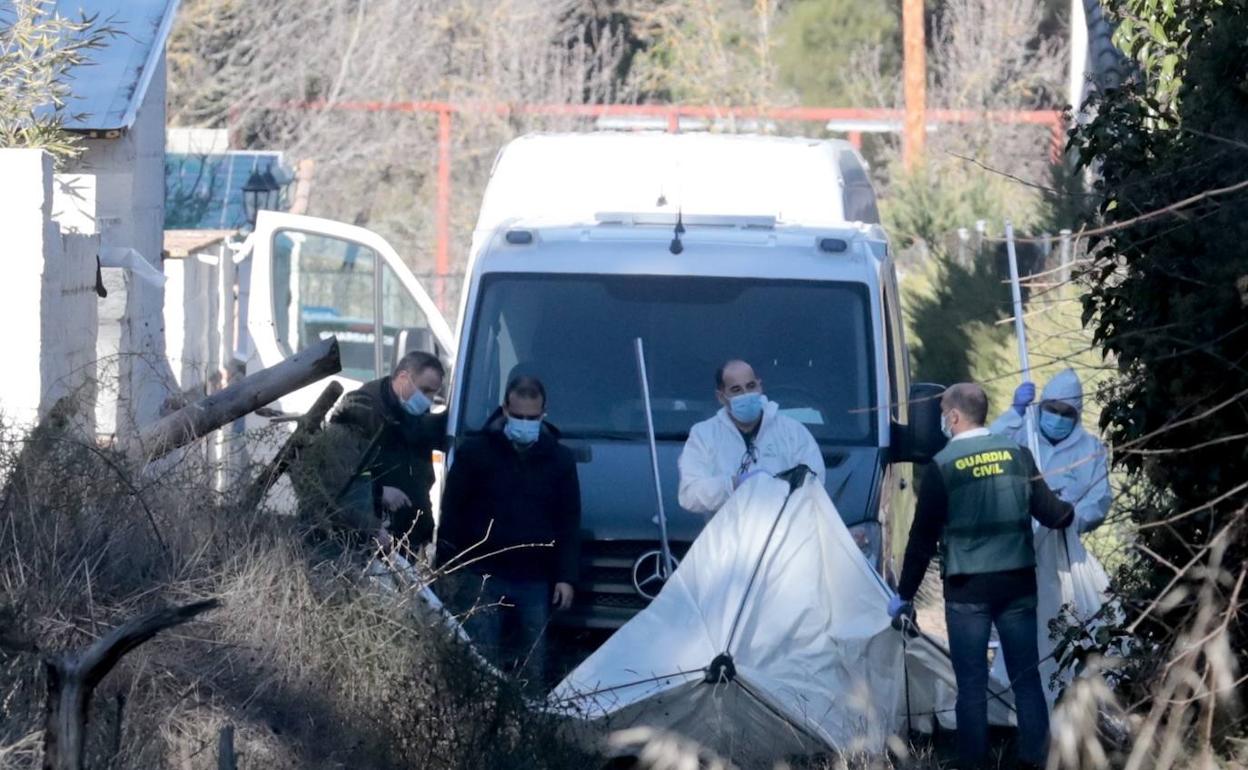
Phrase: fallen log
(248,394)
(72,680)
(308,425)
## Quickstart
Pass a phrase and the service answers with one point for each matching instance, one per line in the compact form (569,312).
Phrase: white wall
(47,297)
(129,171)
(192,335)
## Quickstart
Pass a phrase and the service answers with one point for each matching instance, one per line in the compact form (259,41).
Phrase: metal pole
(1077,72)
(1020,331)
(981,232)
(1065,255)
(379,328)
(668,564)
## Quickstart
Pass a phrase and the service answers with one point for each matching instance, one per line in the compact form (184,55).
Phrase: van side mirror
(920,439)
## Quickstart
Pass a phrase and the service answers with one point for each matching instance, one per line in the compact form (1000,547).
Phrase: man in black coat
(392,435)
(510,521)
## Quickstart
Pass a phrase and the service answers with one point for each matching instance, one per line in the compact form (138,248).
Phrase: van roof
(570,177)
(746,248)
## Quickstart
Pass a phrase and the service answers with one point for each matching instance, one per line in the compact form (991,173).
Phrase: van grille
(606,597)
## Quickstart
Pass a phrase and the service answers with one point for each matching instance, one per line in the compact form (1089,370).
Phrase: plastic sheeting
(776,582)
(1068,579)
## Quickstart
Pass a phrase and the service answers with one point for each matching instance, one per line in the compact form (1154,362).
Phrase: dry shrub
(313,665)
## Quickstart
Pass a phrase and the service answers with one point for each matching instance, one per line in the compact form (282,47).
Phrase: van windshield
(809,342)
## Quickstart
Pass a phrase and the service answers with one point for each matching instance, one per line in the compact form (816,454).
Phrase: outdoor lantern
(255,196)
(273,189)
(261,193)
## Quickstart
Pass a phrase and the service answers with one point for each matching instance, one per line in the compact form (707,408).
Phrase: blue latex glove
(896,606)
(1023,396)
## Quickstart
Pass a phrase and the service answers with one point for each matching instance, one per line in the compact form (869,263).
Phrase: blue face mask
(522,432)
(944,426)
(417,404)
(1056,427)
(747,407)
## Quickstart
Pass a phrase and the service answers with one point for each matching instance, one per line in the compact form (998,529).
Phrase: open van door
(315,278)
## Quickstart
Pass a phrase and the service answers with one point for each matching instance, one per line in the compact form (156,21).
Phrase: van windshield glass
(809,343)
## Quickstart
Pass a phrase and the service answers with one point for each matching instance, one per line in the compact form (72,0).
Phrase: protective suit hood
(1065,386)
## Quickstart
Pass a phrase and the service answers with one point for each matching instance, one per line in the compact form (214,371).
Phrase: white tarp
(1070,580)
(790,597)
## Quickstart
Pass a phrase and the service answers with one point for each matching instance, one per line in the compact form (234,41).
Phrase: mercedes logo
(649,574)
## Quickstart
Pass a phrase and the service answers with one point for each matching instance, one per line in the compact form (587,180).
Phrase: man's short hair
(525,386)
(418,361)
(969,399)
(719,373)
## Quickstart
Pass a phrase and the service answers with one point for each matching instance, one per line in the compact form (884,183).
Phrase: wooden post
(307,427)
(442,215)
(914,80)
(72,680)
(303,186)
(240,398)
(225,749)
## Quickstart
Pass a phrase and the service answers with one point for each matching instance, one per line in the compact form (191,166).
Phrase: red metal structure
(672,114)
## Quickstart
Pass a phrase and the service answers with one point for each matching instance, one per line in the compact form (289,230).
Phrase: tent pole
(905,671)
(669,566)
(1020,331)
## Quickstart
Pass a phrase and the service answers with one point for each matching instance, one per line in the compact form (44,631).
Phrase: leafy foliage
(954,317)
(817,40)
(1167,296)
(705,51)
(38,50)
(954,289)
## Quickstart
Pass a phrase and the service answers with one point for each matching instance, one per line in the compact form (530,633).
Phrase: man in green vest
(977,500)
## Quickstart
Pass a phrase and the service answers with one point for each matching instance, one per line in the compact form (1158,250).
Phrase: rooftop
(180,244)
(109,90)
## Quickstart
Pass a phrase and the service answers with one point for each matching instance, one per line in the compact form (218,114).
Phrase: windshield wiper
(604,435)
(621,435)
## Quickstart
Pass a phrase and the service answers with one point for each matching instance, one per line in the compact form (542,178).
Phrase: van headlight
(868,536)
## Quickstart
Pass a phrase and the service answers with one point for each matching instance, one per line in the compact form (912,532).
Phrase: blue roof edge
(149,66)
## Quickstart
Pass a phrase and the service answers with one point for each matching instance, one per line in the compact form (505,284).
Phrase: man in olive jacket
(977,500)
(373,463)
(510,528)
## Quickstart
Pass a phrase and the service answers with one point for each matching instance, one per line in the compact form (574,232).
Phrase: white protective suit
(715,449)
(1075,468)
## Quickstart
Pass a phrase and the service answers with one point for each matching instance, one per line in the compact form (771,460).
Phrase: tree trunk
(245,396)
(308,426)
(72,680)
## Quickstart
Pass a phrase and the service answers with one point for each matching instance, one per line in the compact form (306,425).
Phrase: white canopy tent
(771,639)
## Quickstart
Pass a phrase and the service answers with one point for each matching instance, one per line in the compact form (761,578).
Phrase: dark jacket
(932,512)
(398,453)
(513,497)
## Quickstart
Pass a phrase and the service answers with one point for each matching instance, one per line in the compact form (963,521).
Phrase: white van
(781,262)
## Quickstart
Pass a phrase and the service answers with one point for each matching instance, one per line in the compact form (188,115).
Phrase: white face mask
(944,425)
